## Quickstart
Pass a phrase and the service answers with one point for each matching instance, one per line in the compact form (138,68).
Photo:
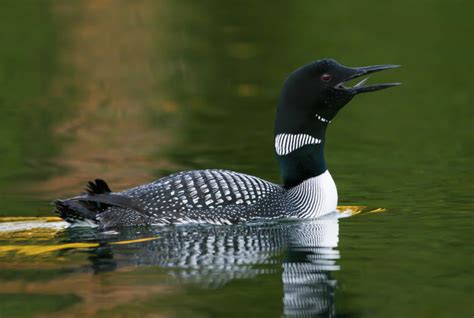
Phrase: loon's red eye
(326,77)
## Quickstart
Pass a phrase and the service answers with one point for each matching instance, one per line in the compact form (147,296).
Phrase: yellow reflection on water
(45,229)
(30,218)
(36,249)
(145,239)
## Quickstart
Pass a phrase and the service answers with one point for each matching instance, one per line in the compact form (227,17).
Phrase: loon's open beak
(360,87)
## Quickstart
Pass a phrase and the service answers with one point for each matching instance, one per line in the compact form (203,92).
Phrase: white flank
(314,197)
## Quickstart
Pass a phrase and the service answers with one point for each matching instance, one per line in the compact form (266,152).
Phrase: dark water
(132,91)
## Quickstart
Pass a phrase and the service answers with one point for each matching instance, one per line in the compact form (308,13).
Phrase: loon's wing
(110,199)
(208,196)
(198,196)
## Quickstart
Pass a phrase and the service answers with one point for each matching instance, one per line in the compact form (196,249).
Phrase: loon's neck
(300,155)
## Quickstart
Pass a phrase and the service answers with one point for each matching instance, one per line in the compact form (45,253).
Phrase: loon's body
(311,97)
(213,197)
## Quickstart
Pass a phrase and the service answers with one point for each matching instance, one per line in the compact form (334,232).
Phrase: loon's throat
(300,156)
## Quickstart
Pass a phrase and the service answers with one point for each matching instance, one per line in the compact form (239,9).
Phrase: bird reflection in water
(305,252)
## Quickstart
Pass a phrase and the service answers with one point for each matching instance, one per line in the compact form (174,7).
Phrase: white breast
(314,197)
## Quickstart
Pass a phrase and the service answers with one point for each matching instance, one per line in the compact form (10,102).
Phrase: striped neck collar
(300,156)
(287,143)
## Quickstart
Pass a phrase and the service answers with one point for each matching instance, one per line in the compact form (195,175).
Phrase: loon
(310,99)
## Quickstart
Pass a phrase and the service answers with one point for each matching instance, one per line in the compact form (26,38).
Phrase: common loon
(311,97)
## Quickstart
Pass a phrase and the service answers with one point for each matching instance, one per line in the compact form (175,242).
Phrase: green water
(134,91)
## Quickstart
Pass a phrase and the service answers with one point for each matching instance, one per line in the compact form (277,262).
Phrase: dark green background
(407,149)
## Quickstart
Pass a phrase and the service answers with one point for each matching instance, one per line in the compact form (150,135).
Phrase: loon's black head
(310,99)
(316,92)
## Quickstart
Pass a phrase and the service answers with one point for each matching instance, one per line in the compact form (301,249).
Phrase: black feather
(95,201)
(72,211)
(97,187)
(104,200)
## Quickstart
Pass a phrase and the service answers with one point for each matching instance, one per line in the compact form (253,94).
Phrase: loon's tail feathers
(76,212)
(100,186)
(83,210)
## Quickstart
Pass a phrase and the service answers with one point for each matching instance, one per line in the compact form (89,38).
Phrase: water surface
(130,92)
